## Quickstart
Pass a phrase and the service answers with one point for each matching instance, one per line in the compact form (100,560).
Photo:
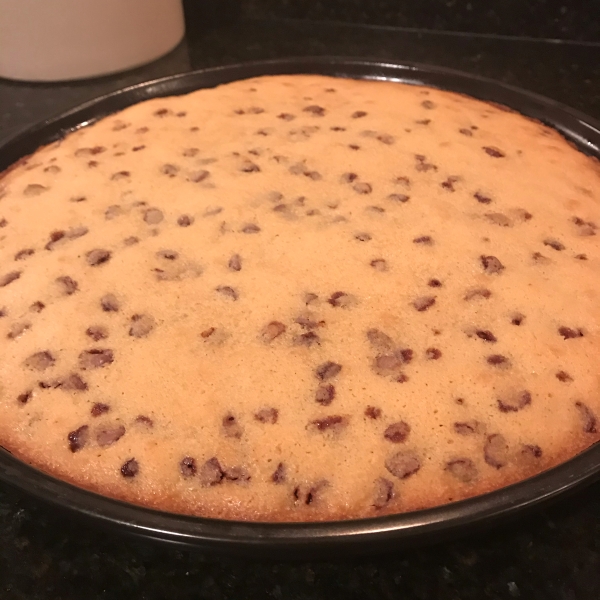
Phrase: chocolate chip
(162,112)
(267,415)
(493,151)
(106,436)
(372,412)
(185,221)
(495,450)
(517,319)
(317,111)
(40,361)
(231,427)
(423,121)
(340,299)
(478,293)
(468,427)
(563,376)
(423,303)
(109,303)
(18,329)
(78,438)
(25,253)
(130,468)
(585,228)
(570,333)
(34,189)
(498,360)
(97,332)
(433,353)
(466,132)
(144,420)
(403,464)
(272,330)
(169,170)
(422,164)
(423,239)
(532,450)
(153,216)
(227,291)
(36,307)
(200,176)
(361,187)
(327,370)
(247,166)
(286,117)
(581,256)
(68,285)
(187,466)
(463,469)
(168,254)
(332,423)
(379,340)
(25,397)
(95,358)
(398,198)
(434,283)
(138,148)
(448,184)
(486,335)
(514,402)
(482,198)
(379,264)
(325,394)
(397,432)
(9,278)
(279,475)
(250,228)
(555,244)
(99,408)
(358,114)
(97,257)
(141,325)
(237,474)
(384,492)
(491,264)
(499,219)
(336,128)
(211,473)
(235,263)
(588,418)
(307,494)
(120,175)
(307,339)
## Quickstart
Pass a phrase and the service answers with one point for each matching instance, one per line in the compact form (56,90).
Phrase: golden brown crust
(272,301)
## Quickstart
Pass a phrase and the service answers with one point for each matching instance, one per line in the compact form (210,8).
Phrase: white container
(52,40)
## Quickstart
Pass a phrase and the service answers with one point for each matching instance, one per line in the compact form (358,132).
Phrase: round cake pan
(329,539)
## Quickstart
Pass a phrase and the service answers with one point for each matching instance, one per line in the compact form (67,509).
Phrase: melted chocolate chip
(482,198)
(588,418)
(499,219)
(403,464)
(185,221)
(379,264)
(517,319)
(358,114)
(361,187)
(423,303)
(491,265)
(468,427)
(34,189)
(286,117)
(466,132)
(307,339)
(363,237)
(97,257)
(330,423)
(227,291)
(106,436)
(78,438)
(397,432)
(327,370)
(493,151)
(120,175)
(564,377)
(379,340)
(340,299)
(248,166)
(18,329)
(532,450)
(95,358)
(250,228)
(555,244)
(514,402)
(478,293)
(272,330)
(168,254)
(317,111)
(97,332)
(279,475)
(497,360)
(40,361)
(130,468)
(141,325)
(9,278)
(426,240)
(325,394)
(99,408)
(211,473)
(25,253)
(231,427)
(384,492)
(495,450)
(372,412)
(570,333)
(68,285)
(463,469)
(434,283)
(187,466)
(109,303)
(153,216)
(25,397)
(169,170)
(433,353)
(402,198)
(267,415)
(144,420)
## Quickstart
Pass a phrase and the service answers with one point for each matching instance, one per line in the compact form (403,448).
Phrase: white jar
(52,40)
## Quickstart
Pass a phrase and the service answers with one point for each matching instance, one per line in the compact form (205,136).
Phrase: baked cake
(301,298)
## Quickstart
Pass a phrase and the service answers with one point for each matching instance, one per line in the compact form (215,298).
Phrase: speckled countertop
(552,554)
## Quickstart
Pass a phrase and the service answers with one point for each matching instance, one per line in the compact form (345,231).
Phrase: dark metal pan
(311,539)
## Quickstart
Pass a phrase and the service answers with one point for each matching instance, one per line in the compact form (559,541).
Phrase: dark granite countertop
(553,554)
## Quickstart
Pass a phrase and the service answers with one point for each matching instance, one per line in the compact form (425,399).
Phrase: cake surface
(301,298)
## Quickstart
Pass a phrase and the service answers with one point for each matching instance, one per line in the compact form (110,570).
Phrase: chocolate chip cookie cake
(301,298)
